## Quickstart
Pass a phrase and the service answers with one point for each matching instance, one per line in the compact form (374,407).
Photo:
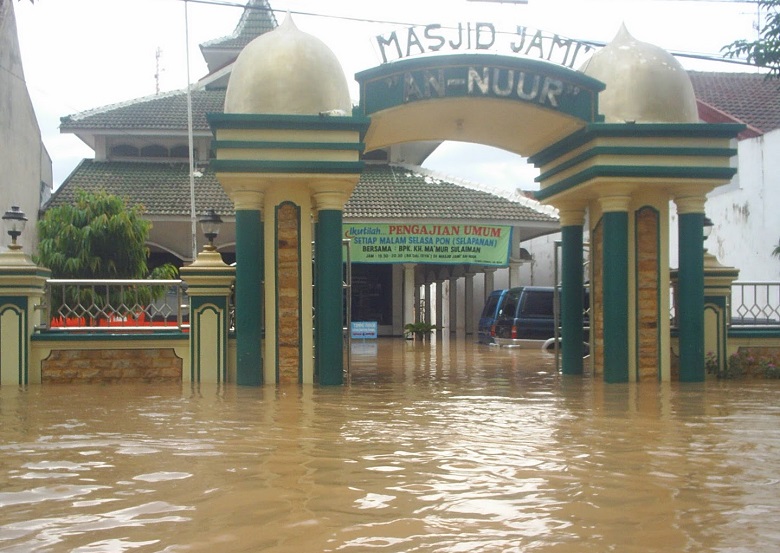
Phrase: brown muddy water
(453,447)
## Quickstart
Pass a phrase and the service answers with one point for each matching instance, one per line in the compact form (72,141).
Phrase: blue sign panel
(362,330)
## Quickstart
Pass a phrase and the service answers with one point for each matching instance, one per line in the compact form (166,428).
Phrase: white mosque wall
(26,176)
(746,212)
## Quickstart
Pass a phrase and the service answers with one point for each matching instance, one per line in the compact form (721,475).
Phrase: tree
(765,50)
(98,236)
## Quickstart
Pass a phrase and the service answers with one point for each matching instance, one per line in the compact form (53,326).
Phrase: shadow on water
(447,446)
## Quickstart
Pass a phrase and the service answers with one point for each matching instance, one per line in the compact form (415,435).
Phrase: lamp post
(14,221)
(707,228)
(210,224)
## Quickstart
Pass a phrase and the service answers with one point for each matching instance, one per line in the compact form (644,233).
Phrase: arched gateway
(291,151)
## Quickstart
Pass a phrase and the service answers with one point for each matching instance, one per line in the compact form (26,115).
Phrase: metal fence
(109,305)
(755,303)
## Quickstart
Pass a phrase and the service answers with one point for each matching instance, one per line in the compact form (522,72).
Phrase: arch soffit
(520,105)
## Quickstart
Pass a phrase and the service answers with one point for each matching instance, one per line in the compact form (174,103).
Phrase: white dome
(287,71)
(645,83)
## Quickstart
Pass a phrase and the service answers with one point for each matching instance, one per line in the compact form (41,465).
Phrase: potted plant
(418,330)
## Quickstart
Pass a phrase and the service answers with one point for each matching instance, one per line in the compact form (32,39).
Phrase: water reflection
(449,447)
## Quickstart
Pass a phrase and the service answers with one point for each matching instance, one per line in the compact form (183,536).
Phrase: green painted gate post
(22,286)
(209,282)
(690,289)
(330,305)
(615,270)
(249,297)
(571,291)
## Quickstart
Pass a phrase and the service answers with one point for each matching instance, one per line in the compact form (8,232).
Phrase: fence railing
(109,305)
(755,303)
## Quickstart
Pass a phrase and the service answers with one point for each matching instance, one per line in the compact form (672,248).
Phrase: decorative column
(426,315)
(490,273)
(209,282)
(453,303)
(690,287)
(718,281)
(22,285)
(469,306)
(409,287)
(572,220)
(439,304)
(249,287)
(329,338)
(615,281)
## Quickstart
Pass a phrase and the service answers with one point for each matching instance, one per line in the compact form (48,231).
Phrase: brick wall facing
(112,365)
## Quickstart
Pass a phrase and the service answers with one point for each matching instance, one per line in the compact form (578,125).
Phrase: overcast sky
(83,54)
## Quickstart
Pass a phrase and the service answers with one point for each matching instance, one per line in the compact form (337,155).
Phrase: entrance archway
(519,105)
(610,171)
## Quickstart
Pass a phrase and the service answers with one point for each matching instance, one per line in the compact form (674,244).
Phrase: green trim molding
(279,145)
(288,122)
(297,167)
(636,171)
(593,131)
(636,151)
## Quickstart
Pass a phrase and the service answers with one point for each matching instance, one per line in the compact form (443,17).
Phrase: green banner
(433,243)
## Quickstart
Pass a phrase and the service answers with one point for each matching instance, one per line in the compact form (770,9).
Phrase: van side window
(490,306)
(509,307)
(538,304)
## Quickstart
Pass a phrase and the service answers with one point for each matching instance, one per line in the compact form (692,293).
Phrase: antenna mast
(157,56)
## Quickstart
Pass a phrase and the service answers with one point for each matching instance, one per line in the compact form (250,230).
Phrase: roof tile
(384,191)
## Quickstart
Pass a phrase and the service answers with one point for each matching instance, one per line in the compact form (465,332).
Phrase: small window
(124,150)
(155,150)
(181,151)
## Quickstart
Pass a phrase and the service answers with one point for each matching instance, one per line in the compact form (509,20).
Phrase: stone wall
(112,365)
(288,292)
(648,269)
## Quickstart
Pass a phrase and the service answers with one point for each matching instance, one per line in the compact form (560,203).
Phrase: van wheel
(549,345)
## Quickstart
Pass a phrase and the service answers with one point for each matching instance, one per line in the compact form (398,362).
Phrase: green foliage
(711,363)
(419,329)
(765,50)
(98,236)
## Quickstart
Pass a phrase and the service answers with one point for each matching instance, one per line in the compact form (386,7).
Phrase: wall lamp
(13,222)
(210,224)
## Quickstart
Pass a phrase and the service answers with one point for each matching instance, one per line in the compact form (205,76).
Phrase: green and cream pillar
(572,220)
(22,286)
(329,285)
(209,281)
(288,154)
(615,298)
(690,287)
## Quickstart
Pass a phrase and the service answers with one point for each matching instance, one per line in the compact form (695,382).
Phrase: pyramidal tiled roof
(407,192)
(258,18)
(163,111)
(384,191)
(750,98)
(162,188)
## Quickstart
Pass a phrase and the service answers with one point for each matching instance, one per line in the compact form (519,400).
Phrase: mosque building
(142,153)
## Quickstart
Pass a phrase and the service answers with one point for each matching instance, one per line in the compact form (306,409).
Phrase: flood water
(453,447)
